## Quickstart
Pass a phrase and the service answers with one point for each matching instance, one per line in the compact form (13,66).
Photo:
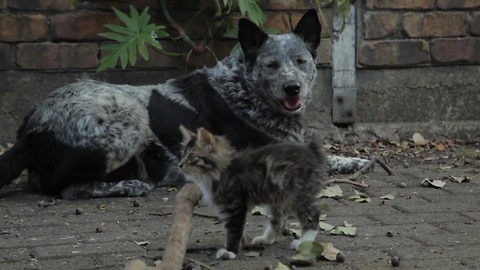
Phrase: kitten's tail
(13,161)
(317,149)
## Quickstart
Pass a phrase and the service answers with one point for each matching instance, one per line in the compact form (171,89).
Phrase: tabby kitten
(286,177)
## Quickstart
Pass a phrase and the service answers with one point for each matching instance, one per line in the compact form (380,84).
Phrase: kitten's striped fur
(285,176)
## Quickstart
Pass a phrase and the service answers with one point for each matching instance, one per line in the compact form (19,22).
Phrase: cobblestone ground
(427,228)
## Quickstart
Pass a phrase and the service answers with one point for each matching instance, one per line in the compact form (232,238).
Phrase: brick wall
(402,33)
(59,35)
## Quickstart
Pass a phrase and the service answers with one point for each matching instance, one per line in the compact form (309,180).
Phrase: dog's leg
(345,165)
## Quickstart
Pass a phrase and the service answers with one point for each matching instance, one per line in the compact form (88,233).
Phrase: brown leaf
(440,147)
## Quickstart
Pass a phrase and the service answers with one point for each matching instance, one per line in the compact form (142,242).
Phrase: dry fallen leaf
(260,211)
(331,192)
(434,183)
(253,254)
(458,179)
(281,266)
(325,226)
(391,196)
(359,197)
(142,243)
(418,139)
(329,251)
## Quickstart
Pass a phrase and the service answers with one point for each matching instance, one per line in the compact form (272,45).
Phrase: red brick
(22,27)
(30,4)
(278,21)
(5,59)
(401,4)
(394,53)
(57,55)
(125,5)
(475,24)
(206,58)
(324,52)
(436,24)
(64,4)
(287,4)
(328,13)
(381,24)
(84,26)
(456,4)
(458,50)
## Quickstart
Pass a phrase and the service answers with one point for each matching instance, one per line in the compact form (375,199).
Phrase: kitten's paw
(261,240)
(295,244)
(225,254)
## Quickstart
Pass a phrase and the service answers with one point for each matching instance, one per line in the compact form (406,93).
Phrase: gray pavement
(427,228)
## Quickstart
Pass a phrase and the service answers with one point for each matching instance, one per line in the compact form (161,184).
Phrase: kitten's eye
(191,158)
(272,64)
(301,61)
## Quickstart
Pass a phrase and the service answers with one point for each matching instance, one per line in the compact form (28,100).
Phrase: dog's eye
(272,64)
(301,61)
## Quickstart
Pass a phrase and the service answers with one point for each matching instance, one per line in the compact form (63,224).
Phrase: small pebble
(395,261)
(389,234)
(78,211)
(402,185)
(102,228)
(340,257)
(136,204)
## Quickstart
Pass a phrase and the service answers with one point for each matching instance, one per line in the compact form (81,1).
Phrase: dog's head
(281,68)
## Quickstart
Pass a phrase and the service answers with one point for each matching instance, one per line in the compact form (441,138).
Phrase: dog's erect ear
(309,29)
(250,36)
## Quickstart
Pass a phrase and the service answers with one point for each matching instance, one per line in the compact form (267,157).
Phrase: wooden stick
(345,181)
(176,246)
(367,166)
(199,263)
(385,166)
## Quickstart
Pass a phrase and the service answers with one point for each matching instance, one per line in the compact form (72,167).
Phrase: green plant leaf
(119,29)
(114,36)
(250,9)
(123,17)
(131,39)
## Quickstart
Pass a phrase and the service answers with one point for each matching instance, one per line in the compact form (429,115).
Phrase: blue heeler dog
(94,139)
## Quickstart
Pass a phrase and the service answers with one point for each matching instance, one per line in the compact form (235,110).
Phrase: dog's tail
(13,162)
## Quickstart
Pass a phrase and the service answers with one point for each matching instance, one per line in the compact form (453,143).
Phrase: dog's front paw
(225,254)
(295,244)
(261,240)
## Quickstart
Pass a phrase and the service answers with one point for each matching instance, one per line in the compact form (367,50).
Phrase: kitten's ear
(206,138)
(187,134)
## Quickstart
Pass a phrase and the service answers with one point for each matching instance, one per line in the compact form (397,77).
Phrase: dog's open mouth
(292,104)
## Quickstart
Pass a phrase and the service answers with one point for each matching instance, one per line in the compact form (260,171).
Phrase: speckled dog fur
(94,139)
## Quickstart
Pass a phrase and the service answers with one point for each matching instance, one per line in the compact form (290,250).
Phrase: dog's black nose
(292,88)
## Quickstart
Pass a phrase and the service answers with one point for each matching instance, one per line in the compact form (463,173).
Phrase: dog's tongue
(291,103)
